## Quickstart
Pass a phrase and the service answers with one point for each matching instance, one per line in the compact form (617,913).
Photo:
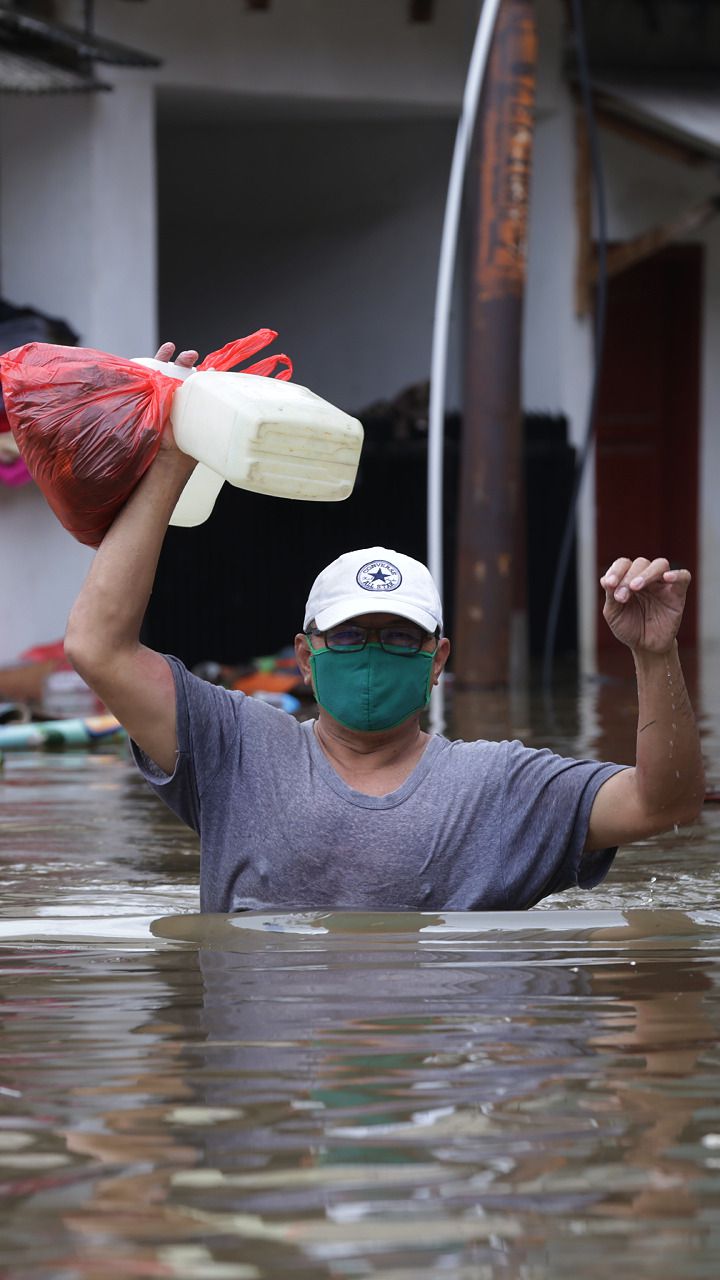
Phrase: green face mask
(371,690)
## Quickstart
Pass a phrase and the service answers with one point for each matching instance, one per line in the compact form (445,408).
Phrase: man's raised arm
(102,640)
(644,602)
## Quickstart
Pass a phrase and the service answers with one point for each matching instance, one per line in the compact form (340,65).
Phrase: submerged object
(12,712)
(49,735)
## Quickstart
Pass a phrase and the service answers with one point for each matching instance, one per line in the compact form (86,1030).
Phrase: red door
(648,412)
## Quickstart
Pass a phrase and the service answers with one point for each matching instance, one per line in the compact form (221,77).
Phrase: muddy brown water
(399,1096)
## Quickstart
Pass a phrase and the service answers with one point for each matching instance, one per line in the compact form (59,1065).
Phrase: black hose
(599,334)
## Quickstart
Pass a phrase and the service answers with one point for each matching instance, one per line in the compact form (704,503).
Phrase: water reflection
(361,1095)
(82,835)
(531,1095)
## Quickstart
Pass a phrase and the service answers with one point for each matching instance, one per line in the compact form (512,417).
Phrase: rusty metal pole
(490,570)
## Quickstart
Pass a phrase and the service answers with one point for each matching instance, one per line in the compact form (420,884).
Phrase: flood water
(399,1096)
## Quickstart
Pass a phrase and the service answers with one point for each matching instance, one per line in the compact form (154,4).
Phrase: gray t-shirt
(478,826)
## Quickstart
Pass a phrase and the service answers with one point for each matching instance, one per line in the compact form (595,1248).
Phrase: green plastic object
(49,735)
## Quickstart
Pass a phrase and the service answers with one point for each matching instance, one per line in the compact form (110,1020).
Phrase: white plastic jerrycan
(260,434)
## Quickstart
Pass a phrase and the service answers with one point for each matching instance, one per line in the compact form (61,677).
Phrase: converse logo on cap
(379,575)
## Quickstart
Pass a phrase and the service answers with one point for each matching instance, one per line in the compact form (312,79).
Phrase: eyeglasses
(351,638)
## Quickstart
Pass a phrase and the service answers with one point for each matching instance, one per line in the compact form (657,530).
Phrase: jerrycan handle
(197,499)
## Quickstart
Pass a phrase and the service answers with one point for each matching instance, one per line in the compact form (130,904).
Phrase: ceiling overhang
(685,112)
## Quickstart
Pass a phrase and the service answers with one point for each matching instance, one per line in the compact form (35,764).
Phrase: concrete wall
(77,210)
(41,568)
(301,49)
(77,240)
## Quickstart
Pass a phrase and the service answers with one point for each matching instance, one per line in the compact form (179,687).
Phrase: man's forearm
(669,769)
(109,610)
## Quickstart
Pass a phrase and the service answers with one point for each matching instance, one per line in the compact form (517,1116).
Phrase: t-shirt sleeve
(208,727)
(546,814)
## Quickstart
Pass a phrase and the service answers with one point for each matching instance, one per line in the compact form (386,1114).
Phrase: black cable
(599,334)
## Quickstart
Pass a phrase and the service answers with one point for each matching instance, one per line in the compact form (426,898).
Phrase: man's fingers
(634,573)
(678,577)
(616,572)
(626,576)
(617,577)
(187,358)
(649,571)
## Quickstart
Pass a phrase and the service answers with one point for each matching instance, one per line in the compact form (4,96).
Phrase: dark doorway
(648,414)
(549,478)
(235,587)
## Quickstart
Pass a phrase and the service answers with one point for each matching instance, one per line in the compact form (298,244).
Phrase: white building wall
(77,210)
(77,240)
(41,568)
(303,50)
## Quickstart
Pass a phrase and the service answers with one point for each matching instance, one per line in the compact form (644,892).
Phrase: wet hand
(644,602)
(187,360)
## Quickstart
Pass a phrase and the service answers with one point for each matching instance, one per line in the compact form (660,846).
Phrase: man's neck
(369,752)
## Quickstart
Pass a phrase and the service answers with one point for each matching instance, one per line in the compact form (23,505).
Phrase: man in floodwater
(361,808)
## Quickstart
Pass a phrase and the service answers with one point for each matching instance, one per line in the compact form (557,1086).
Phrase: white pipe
(443,301)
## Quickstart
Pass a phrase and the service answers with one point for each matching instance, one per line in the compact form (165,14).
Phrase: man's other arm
(644,602)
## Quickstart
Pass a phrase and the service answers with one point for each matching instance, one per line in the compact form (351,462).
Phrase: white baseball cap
(374,580)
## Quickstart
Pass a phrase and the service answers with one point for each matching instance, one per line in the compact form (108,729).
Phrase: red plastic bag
(89,424)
